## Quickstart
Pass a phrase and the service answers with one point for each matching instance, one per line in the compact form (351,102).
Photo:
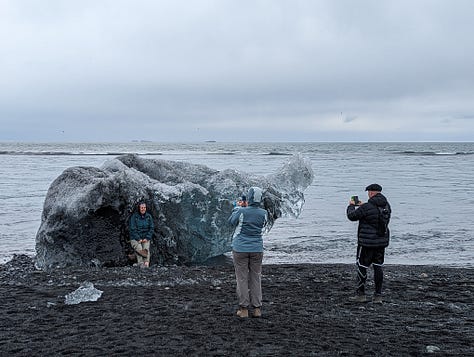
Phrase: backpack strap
(383,220)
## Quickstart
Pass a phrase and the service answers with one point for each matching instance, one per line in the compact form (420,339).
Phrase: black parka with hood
(368,216)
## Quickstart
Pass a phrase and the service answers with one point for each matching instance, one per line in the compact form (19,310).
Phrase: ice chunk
(432,349)
(86,292)
(86,210)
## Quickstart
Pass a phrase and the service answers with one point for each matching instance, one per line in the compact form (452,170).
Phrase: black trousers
(366,257)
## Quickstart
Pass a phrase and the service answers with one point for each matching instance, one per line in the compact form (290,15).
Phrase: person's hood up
(254,196)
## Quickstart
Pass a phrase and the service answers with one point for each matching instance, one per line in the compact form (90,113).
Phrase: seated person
(141,232)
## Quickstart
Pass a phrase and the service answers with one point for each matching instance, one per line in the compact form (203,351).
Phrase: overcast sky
(92,70)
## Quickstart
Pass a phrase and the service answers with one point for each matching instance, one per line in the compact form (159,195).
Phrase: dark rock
(86,210)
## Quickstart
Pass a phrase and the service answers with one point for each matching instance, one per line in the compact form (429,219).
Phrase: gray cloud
(121,70)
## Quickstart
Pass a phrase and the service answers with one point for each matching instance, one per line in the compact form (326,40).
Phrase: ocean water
(429,185)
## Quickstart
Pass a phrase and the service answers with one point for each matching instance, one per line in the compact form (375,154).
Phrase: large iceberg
(84,220)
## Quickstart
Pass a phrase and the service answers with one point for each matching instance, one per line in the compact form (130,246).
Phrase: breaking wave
(70,153)
(277,153)
(434,153)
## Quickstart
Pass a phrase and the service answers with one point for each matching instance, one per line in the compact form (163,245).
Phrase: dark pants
(366,257)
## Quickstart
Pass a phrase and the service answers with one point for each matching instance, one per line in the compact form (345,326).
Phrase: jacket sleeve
(355,213)
(133,228)
(234,217)
(151,227)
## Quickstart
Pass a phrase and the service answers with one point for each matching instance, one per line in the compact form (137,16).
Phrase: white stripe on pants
(248,273)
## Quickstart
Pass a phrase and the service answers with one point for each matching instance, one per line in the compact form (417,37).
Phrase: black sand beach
(177,311)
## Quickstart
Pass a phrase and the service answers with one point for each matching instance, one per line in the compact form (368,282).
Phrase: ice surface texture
(86,292)
(84,220)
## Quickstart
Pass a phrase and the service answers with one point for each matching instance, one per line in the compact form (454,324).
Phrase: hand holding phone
(355,199)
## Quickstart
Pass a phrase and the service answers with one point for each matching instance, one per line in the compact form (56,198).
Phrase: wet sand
(178,311)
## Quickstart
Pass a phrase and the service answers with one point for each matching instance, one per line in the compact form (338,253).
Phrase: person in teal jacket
(247,252)
(141,232)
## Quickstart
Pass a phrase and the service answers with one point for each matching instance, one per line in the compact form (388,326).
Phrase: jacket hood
(254,195)
(379,200)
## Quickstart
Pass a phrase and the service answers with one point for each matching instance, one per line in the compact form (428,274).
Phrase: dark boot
(378,279)
(361,278)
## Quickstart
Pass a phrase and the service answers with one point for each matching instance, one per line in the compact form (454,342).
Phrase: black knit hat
(374,187)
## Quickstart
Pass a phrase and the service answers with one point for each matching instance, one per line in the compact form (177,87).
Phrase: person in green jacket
(141,232)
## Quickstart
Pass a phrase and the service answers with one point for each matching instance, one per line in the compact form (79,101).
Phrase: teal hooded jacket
(141,227)
(249,222)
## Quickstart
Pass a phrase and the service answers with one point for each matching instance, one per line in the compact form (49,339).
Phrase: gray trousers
(139,246)
(248,273)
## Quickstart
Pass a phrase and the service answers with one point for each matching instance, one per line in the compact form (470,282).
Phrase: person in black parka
(372,238)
